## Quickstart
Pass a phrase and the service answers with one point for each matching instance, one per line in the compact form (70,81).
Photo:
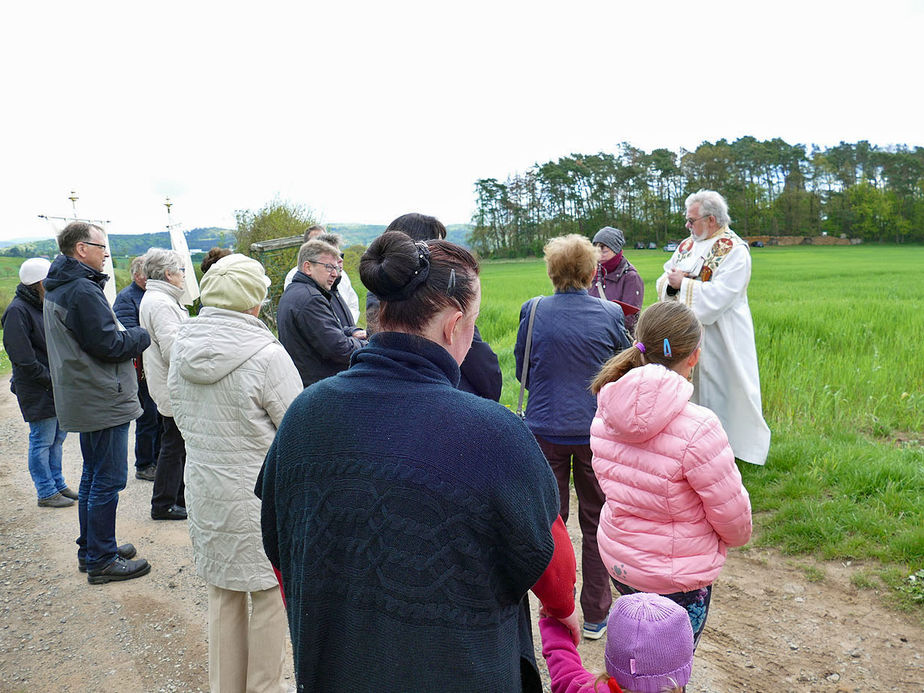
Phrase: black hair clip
(416,279)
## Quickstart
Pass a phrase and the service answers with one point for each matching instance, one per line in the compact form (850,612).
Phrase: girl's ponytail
(666,333)
(618,366)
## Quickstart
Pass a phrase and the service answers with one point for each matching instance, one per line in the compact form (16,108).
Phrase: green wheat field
(840,342)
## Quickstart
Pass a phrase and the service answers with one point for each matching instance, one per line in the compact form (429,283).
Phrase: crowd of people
(361,488)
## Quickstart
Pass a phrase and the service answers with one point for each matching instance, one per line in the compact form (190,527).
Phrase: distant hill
(364,234)
(130,245)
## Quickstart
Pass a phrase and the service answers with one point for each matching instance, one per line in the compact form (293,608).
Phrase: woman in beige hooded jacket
(230,383)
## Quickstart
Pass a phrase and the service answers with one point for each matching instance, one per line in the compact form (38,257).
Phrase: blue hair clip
(667,347)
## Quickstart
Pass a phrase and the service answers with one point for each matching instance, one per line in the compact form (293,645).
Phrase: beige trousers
(247,651)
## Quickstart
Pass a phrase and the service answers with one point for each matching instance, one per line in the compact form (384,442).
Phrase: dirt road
(769,629)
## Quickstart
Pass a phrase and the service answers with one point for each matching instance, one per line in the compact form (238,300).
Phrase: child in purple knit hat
(649,649)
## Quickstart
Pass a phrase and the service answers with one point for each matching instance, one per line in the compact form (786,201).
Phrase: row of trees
(772,187)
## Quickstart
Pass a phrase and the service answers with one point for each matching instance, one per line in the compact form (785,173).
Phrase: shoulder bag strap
(526,347)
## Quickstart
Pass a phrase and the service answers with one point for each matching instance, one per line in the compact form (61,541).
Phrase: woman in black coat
(24,342)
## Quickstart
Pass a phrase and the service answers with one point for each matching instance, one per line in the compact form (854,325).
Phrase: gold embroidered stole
(725,241)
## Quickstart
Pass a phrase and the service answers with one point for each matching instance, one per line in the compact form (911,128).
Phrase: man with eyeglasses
(315,325)
(344,285)
(96,393)
(709,272)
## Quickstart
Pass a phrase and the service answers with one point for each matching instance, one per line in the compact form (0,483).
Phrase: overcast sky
(366,110)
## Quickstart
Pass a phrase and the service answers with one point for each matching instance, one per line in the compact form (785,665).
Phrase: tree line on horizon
(773,188)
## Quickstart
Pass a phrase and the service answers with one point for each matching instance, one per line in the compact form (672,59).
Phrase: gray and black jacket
(89,353)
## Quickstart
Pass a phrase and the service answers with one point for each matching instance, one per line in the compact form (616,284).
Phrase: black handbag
(526,346)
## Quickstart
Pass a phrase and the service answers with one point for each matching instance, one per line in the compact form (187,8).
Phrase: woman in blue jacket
(573,335)
(24,342)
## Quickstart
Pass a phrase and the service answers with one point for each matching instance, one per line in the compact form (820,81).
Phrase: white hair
(137,266)
(710,204)
(159,261)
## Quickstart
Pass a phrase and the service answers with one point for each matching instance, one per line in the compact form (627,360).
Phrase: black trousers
(147,429)
(168,479)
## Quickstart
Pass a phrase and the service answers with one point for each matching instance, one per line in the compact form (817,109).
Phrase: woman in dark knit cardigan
(407,545)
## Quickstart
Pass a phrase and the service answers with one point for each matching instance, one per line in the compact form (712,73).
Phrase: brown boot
(55,501)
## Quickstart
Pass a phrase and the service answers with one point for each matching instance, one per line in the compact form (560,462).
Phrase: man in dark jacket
(24,342)
(315,325)
(147,426)
(96,393)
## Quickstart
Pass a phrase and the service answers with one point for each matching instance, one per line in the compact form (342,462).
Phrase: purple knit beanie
(649,645)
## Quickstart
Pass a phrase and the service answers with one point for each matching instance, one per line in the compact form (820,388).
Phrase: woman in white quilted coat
(161,314)
(231,382)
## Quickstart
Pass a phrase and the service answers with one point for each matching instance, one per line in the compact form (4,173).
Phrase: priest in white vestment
(709,272)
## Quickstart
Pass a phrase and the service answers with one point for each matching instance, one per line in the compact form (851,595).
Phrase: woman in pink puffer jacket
(674,498)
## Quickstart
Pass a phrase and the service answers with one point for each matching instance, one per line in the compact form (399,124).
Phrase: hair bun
(394,266)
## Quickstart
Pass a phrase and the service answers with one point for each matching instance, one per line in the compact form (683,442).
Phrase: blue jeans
(105,471)
(45,439)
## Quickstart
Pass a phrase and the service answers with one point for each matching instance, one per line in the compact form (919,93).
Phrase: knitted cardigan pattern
(406,541)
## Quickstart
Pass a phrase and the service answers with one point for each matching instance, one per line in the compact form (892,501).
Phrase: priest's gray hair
(711,204)
(159,261)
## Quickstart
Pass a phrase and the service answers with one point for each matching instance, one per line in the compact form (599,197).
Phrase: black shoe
(55,501)
(125,551)
(67,493)
(119,569)
(174,512)
(146,473)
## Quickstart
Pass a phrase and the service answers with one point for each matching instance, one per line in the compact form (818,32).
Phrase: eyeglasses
(690,222)
(98,245)
(333,269)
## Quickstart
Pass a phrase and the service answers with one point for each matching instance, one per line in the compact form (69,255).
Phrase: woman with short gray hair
(158,262)
(571,336)
(161,314)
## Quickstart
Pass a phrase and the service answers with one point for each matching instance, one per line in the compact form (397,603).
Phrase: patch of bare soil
(59,633)
(772,629)
(769,629)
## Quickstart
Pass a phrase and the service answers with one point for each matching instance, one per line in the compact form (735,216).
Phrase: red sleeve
(555,588)
(279,580)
